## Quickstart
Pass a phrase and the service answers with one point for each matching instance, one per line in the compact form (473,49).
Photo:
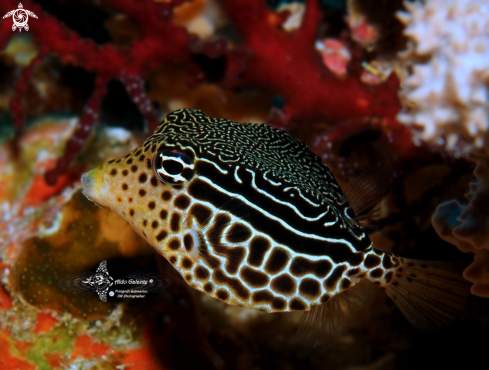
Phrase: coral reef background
(403,84)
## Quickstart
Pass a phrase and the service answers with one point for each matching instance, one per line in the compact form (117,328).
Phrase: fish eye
(173,166)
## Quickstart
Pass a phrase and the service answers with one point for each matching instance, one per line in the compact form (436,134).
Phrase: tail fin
(429,294)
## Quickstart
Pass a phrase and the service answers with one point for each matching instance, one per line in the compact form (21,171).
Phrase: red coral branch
(135,89)
(288,64)
(269,59)
(5,33)
(82,131)
(161,42)
(19,90)
(142,56)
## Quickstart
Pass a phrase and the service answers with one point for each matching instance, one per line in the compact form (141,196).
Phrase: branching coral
(310,91)
(466,226)
(448,56)
(82,130)
(107,61)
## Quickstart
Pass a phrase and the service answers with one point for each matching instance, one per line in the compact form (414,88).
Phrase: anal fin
(323,320)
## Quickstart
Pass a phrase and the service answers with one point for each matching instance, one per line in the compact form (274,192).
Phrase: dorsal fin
(366,191)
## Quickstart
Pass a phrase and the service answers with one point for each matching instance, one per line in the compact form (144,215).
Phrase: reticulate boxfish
(249,215)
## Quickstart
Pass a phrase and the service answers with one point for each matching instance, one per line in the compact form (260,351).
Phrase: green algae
(58,340)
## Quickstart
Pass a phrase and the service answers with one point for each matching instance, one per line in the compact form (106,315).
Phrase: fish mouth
(88,185)
(93,186)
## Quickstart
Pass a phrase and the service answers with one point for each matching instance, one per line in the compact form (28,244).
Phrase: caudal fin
(429,294)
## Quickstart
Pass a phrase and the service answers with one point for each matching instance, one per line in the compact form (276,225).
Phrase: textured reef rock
(446,81)
(466,226)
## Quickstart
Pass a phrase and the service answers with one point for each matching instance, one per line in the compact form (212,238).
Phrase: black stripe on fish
(338,250)
(303,218)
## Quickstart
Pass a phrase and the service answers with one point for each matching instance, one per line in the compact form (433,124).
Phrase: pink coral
(335,55)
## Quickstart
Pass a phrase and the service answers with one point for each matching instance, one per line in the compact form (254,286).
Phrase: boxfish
(251,216)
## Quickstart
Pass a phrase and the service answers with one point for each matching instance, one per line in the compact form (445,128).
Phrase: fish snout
(93,186)
(87,184)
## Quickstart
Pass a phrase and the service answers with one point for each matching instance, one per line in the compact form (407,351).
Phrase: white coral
(447,84)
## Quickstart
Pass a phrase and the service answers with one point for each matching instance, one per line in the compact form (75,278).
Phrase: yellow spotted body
(248,214)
